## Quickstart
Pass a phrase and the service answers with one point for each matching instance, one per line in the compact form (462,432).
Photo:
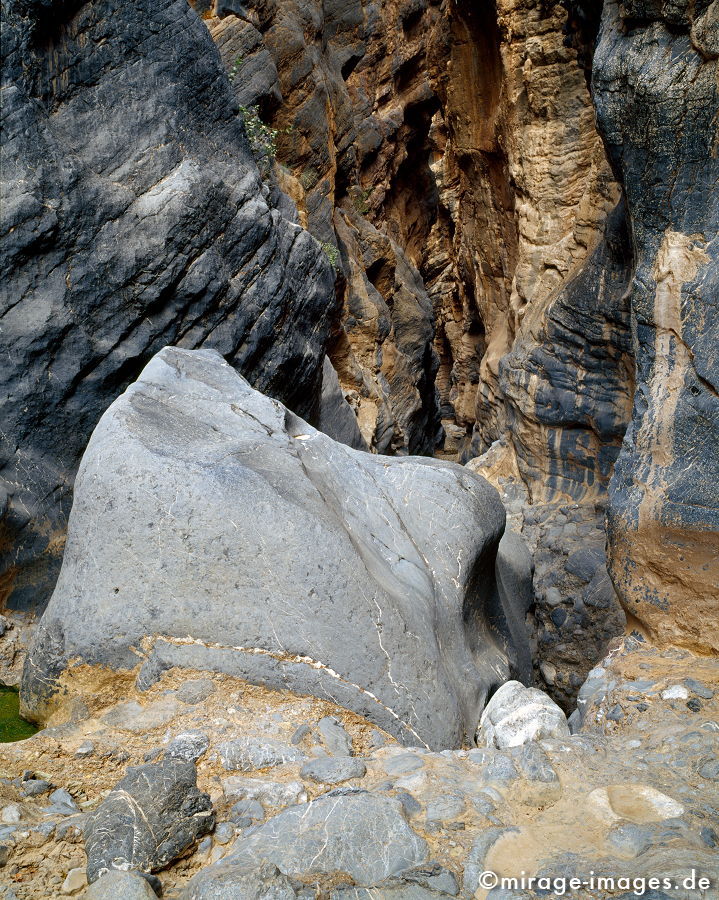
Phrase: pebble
(35,786)
(75,881)
(247,811)
(710,770)
(11,814)
(189,745)
(299,735)
(334,737)
(675,692)
(195,690)
(224,833)
(333,769)
(61,803)
(86,748)
(411,805)
(699,689)
(402,764)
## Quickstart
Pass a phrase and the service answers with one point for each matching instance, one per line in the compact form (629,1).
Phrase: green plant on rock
(262,138)
(235,67)
(331,252)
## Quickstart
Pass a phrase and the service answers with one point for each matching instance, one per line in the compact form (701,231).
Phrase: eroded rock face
(218,531)
(133,217)
(655,87)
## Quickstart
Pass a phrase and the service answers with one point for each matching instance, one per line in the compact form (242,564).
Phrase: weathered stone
(225,881)
(149,818)
(656,120)
(333,770)
(189,745)
(191,443)
(114,885)
(249,753)
(516,714)
(351,832)
(135,175)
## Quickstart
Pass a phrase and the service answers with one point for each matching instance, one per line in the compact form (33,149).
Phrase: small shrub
(262,138)
(331,252)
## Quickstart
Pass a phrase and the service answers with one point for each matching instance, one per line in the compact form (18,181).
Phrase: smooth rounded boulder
(214,530)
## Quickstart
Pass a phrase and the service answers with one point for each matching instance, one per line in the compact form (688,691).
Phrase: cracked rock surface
(213,529)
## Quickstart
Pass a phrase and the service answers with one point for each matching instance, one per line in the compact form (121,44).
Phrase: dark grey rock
(35,786)
(249,753)
(337,418)
(192,420)
(434,877)
(656,121)
(334,769)
(300,734)
(189,745)
(513,572)
(409,803)
(247,810)
(363,835)
(710,770)
(584,562)
(148,819)
(616,713)
(225,881)
(115,885)
(701,690)
(334,736)
(195,690)
(135,173)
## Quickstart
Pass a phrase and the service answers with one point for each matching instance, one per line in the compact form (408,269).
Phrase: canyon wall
(656,88)
(514,261)
(133,217)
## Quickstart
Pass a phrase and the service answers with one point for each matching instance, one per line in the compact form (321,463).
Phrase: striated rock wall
(133,217)
(449,152)
(656,88)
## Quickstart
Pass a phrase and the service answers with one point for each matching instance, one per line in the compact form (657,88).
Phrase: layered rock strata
(133,217)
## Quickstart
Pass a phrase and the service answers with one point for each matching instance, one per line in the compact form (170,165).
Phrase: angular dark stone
(150,817)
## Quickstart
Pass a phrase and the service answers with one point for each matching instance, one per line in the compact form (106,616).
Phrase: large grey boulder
(149,818)
(218,531)
(133,216)
(345,832)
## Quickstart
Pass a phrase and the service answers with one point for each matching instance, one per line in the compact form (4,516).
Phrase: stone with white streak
(516,715)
